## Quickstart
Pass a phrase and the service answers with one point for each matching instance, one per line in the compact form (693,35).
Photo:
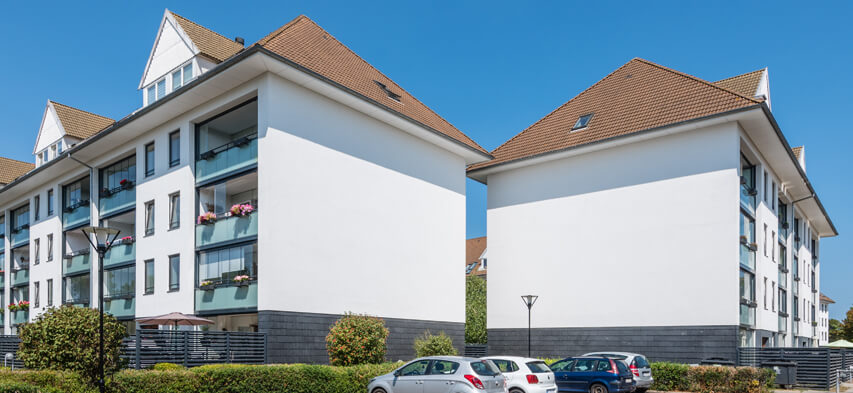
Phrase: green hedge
(711,379)
(670,376)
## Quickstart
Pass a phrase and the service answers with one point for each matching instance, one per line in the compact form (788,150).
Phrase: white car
(525,375)
(441,374)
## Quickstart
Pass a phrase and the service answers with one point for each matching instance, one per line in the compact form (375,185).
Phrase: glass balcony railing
(232,157)
(19,317)
(117,199)
(783,279)
(226,229)
(120,307)
(231,297)
(120,253)
(2,284)
(747,315)
(2,247)
(78,262)
(747,256)
(783,324)
(20,277)
(20,236)
(76,215)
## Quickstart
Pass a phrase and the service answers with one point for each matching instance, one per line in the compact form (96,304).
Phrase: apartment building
(823,319)
(671,214)
(230,183)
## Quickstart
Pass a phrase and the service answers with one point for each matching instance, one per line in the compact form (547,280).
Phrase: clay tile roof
(474,248)
(305,43)
(79,123)
(209,42)
(12,169)
(825,299)
(640,95)
(797,151)
(746,84)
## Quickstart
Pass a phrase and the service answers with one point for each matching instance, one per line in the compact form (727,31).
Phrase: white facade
(823,322)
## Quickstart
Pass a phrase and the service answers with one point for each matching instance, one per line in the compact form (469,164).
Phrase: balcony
(19,317)
(21,277)
(227,230)
(120,253)
(231,157)
(76,215)
(117,199)
(120,307)
(77,262)
(20,236)
(2,244)
(228,297)
(747,315)
(783,324)
(782,279)
(2,282)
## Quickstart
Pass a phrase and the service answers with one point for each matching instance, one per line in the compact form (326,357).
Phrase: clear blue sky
(490,68)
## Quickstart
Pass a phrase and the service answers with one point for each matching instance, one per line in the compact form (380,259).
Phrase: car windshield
(538,367)
(485,368)
(641,362)
(563,365)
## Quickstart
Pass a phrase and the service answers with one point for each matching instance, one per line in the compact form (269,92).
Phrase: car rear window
(506,366)
(603,365)
(623,368)
(485,368)
(538,367)
(641,362)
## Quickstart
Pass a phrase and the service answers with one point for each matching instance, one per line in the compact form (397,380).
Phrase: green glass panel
(19,317)
(227,297)
(226,229)
(78,216)
(118,201)
(120,253)
(120,307)
(77,264)
(21,277)
(227,161)
(20,238)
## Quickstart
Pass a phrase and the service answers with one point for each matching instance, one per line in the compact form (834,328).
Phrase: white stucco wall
(356,215)
(171,50)
(40,229)
(637,235)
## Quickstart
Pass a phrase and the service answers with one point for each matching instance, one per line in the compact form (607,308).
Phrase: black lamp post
(528,301)
(102,239)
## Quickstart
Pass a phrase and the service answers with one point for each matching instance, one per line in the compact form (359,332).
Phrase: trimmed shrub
(434,345)
(66,338)
(712,379)
(20,387)
(152,381)
(670,376)
(475,310)
(60,381)
(167,366)
(357,339)
(291,378)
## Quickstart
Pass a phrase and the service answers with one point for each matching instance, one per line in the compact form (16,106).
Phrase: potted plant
(242,280)
(242,209)
(125,184)
(13,307)
(206,285)
(24,305)
(206,218)
(126,240)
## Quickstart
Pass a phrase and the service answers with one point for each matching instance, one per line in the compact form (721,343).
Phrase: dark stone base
(683,344)
(297,337)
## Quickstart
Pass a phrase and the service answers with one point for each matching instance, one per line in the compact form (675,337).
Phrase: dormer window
(182,76)
(156,91)
(582,122)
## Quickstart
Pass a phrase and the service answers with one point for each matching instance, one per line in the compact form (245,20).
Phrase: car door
(410,378)
(442,377)
(561,371)
(581,375)
(509,369)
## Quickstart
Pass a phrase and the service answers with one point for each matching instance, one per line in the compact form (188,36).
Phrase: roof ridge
(81,110)
(199,25)
(739,75)
(281,29)
(564,104)
(697,79)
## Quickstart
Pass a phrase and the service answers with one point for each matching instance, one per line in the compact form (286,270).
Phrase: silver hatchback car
(441,374)
(638,364)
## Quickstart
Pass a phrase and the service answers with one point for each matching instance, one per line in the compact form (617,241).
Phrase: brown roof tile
(12,169)
(797,151)
(79,123)
(474,248)
(209,42)
(825,299)
(745,84)
(305,43)
(638,96)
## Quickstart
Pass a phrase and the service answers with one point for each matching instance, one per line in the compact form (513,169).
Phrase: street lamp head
(529,300)
(101,238)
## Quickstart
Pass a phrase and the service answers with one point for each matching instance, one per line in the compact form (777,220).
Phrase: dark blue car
(593,374)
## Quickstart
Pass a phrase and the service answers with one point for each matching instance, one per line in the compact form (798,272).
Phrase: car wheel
(597,388)
(378,390)
(516,390)
(641,390)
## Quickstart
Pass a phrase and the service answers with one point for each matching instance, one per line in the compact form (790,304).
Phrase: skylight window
(391,94)
(582,122)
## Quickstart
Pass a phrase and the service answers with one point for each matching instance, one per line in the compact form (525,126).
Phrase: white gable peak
(172,48)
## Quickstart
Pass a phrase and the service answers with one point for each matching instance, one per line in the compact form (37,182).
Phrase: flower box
(207,286)
(242,281)
(206,218)
(241,210)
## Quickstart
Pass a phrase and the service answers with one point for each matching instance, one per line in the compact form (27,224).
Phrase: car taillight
(475,381)
(613,368)
(635,370)
(532,378)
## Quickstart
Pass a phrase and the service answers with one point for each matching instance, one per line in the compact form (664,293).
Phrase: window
(174,210)
(182,76)
(37,207)
(59,147)
(36,251)
(773,296)
(444,367)
(766,240)
(564,365)
(118,176)
(161,88)
(36,294)
(174,272)
(76,194)
(77,289)
(773,198)
(418,368)
(747,287)
(796,304)
(765,293)
(603,366)
(149,159)
(152,95)
(149,276)
(584,365)
(783,301)
(53,150)
(50,292)
(582,122)
(120,282)
(50,202)
(21,218)
(773,245)
(174,148)
(766,190)
(188,72)
(506,366)
(222,265)
(747,185)
(149,218)
(49,247)
(176,80)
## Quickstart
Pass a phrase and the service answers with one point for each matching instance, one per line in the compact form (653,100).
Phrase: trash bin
(717,362)
(786,371)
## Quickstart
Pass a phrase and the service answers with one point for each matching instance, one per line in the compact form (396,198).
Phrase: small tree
(357,339)
(475,310)
(836,330)
(847,328)
(66,338)
(434,345)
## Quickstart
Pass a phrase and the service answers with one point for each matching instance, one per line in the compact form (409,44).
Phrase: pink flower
(206,217)
(243,209)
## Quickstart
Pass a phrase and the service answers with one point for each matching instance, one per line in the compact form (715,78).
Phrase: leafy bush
(434,345)
(145,381)
(60,381)
(357,339)
(66,338)
(670,376)
(20,387)
(712,379)
(475,310)
(167,366)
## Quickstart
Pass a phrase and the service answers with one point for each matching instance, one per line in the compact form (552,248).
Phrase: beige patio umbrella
(840,344)
(175,319)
